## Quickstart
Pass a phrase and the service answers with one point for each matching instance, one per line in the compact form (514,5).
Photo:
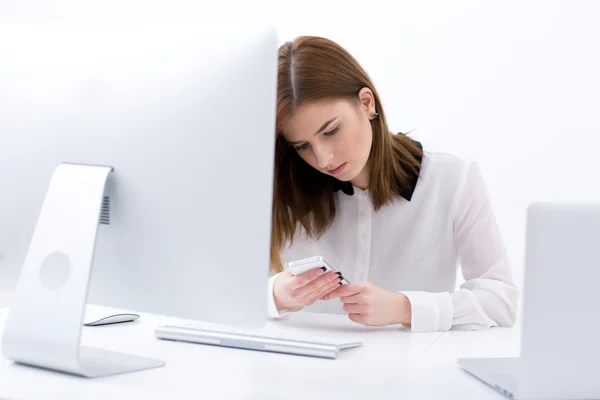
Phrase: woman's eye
(301,147)
(332,132)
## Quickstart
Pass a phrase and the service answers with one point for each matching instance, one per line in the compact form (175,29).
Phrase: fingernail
(324,269)
(339,273)
(341,283)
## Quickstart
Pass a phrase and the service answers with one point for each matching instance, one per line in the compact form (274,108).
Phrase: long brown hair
(314,69)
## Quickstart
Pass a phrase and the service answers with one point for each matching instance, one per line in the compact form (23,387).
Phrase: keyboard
(241,338)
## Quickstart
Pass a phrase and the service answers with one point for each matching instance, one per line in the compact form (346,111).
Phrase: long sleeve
(271,308)
(488,297)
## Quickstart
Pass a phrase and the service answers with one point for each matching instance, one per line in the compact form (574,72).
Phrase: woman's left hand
(370,305)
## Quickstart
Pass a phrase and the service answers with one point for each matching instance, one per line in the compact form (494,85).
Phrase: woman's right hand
(297,291)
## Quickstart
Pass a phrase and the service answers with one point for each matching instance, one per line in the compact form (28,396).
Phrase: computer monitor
(164,141)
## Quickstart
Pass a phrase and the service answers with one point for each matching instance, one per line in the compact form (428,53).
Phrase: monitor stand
(43,328)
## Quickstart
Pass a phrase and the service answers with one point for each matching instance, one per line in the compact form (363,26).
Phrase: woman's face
(334,137)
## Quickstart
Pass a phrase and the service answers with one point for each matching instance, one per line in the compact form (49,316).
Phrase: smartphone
(306,264)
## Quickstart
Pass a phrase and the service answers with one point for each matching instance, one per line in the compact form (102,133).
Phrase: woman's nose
(323,156)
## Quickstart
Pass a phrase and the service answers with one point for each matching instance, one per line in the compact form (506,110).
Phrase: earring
(374,114)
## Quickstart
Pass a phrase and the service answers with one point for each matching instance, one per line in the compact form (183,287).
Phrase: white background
(513,84)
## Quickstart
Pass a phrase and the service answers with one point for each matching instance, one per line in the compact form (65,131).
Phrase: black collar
(347,188)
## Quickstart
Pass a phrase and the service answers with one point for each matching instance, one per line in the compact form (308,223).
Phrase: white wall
(514,84)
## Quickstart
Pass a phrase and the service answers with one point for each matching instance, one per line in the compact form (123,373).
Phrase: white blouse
(416,246)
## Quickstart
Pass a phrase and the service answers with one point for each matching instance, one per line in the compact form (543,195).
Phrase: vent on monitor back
(105,212)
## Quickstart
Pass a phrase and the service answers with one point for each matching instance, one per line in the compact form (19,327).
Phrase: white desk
(436,375)
(375,370)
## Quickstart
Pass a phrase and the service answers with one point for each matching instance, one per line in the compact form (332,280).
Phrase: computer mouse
(112,319)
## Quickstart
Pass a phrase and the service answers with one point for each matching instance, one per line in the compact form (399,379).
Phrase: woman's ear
(367,100)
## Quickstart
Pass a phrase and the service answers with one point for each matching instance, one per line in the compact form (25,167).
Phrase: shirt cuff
(271,308)
(431,312)
(272,311)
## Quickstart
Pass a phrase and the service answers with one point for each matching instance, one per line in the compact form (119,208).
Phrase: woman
(395,219)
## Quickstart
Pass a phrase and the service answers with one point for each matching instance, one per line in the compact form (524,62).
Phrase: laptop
(560,330)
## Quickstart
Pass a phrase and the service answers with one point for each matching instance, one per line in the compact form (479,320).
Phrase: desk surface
(435,375)
(375,370)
